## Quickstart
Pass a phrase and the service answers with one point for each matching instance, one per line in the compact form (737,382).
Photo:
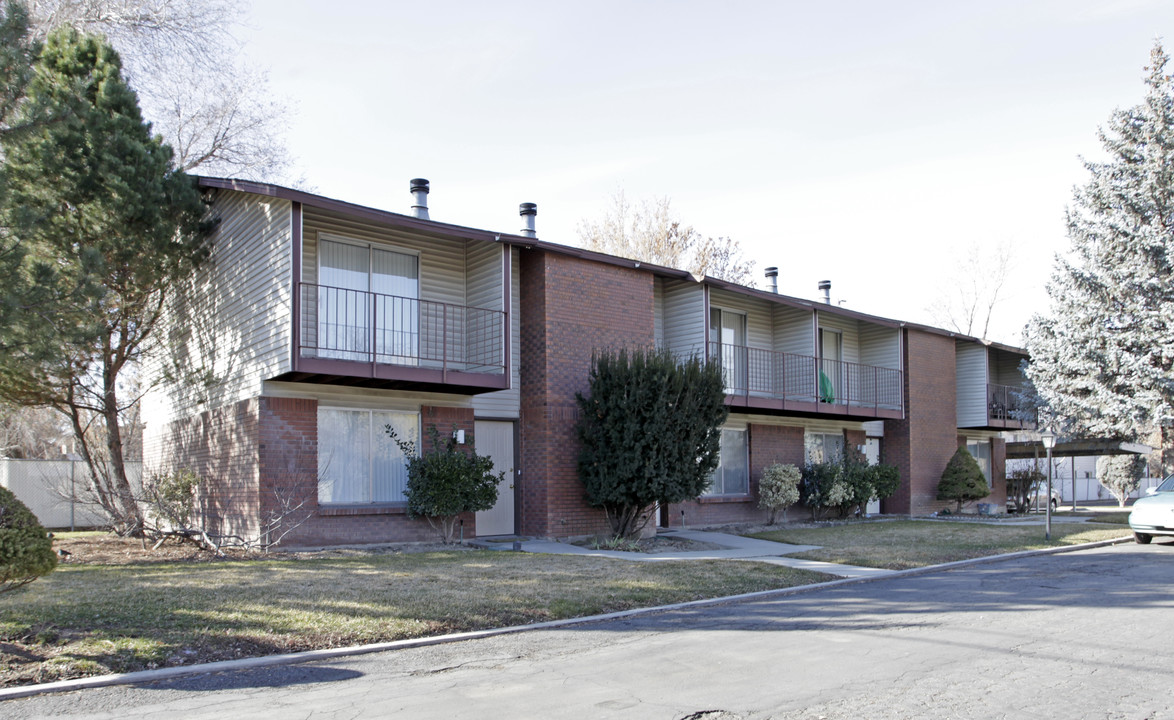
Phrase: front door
(872,455)
(495,438)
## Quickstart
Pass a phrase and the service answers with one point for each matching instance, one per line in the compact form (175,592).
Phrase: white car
(1154,513)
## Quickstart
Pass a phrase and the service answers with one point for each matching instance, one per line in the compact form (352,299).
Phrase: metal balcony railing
(340,324)
(1001,403)
(801,378)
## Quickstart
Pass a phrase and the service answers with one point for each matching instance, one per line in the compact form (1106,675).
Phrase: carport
(1034,450)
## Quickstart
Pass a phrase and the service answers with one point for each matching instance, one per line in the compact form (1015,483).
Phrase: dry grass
(94,619)
(903,544)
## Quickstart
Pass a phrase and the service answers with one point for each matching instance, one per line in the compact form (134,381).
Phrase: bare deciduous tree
(29,432)
(649,231)
(214,109)
(966,300)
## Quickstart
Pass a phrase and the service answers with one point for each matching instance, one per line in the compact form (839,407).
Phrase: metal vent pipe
(825,287)
(420,198)
(772,276)
(528,211)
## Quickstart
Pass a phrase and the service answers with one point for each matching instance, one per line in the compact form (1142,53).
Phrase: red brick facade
(570,308)
(260,456)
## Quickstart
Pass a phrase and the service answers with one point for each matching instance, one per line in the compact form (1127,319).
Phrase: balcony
(1001,403)
(354,337)
(785,382)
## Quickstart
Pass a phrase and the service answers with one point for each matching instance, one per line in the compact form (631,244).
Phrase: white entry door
(496,439)
(872,455)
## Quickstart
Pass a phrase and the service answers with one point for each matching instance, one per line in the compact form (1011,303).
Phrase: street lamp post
(1049,441)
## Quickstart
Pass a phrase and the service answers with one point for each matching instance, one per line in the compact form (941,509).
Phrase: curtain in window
(732,476)
(344,310)
(357,460)
(395,280)
(981,450)
(823,447)
(343,456)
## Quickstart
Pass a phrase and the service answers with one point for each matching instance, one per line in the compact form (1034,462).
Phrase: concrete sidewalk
(734,547)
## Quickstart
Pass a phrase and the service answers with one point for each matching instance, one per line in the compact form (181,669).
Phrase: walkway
(734,547)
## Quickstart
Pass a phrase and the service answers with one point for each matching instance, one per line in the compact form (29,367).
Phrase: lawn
(903,544)
(95,619)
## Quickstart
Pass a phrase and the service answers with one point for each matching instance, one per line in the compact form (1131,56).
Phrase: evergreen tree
(1103,358)
(962,480)
(105,227)
(651,432)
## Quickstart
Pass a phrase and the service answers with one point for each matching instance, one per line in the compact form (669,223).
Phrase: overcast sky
(861,142)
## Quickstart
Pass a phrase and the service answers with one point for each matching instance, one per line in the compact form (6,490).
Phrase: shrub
(822,488)
(26,551)
(778,489)
(650,432)
(1021,484)
(962,480)
(446,481)
(885,480)
(1121,474)
(171,499)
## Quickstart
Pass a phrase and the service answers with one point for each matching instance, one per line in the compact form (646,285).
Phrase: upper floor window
(727,338)
(368,303)
(358,462)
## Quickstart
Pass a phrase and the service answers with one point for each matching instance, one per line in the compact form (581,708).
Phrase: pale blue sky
(855,141)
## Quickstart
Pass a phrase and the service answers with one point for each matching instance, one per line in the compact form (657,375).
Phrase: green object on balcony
(827,392)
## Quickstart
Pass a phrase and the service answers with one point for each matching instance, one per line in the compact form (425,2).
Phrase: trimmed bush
(962,480)
(778,489)
(446,481)
(650,430)
(26,551)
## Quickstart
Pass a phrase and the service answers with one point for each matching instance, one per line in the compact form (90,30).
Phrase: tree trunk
(131,515)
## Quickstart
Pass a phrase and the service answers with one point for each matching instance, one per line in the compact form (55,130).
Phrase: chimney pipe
(528,211)
(825,287)
(772,274)
(420,198)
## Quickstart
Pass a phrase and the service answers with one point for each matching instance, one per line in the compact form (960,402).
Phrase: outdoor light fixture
(1049,440)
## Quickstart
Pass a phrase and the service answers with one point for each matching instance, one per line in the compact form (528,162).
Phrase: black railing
(802,378)
(1002,403)
(342,324)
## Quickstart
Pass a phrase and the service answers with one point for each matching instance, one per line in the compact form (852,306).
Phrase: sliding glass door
(368,303)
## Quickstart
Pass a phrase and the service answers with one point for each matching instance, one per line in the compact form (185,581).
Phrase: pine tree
(1102,360)
(105,228)
(962,480)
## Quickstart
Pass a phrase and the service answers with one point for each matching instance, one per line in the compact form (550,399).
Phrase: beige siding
(880,346)
(442,260)
(971,363)
(505,403)
(793,331)
(1004,369)
(232,324)
(684,317)
(758,316)
(851,334)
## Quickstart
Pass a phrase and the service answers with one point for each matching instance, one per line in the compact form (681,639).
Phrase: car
(1154,514)
(1036,499)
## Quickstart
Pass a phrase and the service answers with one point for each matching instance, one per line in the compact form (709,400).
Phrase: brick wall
(768,444)
(569,308)
(221,447)
(922,443)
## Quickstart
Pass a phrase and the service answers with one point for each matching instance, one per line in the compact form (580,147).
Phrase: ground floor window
(357,460)
(732,476)
(823,447)
(981,450)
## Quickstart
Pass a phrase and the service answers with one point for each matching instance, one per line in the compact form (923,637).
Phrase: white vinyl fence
(1084,470)
(57,491)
